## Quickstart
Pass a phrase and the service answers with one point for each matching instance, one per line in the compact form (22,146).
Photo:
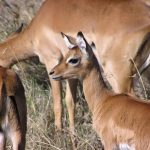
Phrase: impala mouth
(64,77)
(57,78)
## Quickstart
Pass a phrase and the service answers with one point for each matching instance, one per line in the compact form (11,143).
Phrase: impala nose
(52,72)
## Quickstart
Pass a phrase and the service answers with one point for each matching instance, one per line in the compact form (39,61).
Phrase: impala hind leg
(18,140)
(16,132)
(16,123)
(17,136)
(2,141)
(57,100)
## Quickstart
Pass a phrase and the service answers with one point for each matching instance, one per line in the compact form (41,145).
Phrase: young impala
(122,122)
(118,28)
(12,110)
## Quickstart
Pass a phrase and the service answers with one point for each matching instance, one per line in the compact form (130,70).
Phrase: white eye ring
(74,61)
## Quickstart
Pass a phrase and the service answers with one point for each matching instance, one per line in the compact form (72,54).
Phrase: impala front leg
(71,89)
(57,96)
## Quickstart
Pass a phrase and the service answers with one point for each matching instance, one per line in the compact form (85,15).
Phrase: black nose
(52,72)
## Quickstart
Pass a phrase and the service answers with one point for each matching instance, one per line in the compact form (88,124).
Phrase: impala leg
(18,140)
(71,89)
(57,96)
(2,141)
(16,133)
(17,124)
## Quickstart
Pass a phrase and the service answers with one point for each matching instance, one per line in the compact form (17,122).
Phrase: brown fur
(116,26)
(118,119)
(13,113)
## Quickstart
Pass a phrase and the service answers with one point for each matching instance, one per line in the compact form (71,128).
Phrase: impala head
(77,62)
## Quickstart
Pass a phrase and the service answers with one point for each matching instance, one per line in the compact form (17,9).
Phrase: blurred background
(41,133)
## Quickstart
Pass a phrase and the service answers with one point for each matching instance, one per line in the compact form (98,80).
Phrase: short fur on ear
(82,44)
(67,41)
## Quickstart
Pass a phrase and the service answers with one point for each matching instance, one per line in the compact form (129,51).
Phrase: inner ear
(81,41)
(82,44)
(68,40)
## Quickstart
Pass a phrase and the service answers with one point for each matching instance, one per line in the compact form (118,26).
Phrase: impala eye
(74,61)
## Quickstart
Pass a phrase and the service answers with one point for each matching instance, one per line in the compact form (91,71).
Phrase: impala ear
(67,40)
(82,43)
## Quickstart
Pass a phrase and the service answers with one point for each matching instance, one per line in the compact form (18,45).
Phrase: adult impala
(119,119)
(116,26)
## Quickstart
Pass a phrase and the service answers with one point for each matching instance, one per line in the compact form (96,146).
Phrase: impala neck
(94,87)
(17,48)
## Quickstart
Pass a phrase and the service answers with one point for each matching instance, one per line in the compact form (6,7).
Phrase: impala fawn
(13,115)
(122,122)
